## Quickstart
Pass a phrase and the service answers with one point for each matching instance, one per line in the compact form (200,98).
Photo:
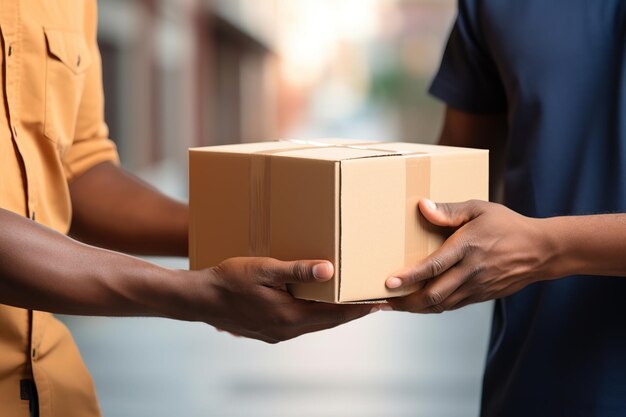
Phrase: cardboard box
(350,202)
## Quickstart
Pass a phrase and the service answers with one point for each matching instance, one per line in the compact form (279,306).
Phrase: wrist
(557,243)
(185,295)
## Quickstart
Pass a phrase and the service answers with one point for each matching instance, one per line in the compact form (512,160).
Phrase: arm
(45,270)
(115,210)
(494,251)
(111,208)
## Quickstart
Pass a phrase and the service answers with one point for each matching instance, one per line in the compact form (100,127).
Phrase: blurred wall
(189,73)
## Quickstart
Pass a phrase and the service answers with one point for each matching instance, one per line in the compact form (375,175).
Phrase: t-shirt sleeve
(91,145)
(468,78)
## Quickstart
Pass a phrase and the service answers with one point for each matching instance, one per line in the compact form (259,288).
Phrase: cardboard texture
(351,202)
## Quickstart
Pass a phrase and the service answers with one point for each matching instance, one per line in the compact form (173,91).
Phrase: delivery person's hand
(248,297)
(492,253)
(41,269)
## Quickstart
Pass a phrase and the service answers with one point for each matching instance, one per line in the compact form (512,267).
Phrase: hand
(492,253)
(249,298)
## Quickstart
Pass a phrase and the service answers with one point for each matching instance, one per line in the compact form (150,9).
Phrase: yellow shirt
(52,129)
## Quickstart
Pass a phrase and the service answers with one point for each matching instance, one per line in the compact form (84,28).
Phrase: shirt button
(78,61)
(34,353)
(15,131)
(10,52)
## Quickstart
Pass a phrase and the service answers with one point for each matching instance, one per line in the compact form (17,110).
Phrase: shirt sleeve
(91,145)
(468,78)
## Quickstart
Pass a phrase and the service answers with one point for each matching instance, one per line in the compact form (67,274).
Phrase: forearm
(41,269)
(44,270)
(115,210)
(495,252)
(587,245)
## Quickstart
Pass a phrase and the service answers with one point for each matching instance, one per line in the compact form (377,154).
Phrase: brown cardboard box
(350,202)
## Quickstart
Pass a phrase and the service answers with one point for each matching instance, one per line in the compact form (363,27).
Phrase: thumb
(450,214)
(275,272)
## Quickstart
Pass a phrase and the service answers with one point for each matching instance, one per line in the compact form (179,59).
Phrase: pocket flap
(69,48)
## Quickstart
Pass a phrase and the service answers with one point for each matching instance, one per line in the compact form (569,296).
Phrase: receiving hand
(249,298)
(492,253)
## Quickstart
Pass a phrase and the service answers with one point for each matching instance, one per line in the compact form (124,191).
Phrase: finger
(450,214)
(226,331)
(449,254)
(250,335)
(434,295)
(312,313)
(275,273)
(466,295)
(319,327)
(462,302)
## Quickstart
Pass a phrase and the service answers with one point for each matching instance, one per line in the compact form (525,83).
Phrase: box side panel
(373,211)
(218,206)
(458,177)
(304,219)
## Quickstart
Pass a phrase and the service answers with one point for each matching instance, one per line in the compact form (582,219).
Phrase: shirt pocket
(66,64)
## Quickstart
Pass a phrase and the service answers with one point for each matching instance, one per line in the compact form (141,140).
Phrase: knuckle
(437,309)
(474,272)
(453,307)
(266,269)
(475,206)
(466,302)
(300,271)
(433,298)
(436,266)
(220,270)
(467,244)
(266,272)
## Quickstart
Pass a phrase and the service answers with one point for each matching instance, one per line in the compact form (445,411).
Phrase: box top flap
(245,148)
(405,148)
(335,153)
(321,149)
(334,149)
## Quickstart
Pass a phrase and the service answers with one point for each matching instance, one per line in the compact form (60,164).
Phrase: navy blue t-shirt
(558,69)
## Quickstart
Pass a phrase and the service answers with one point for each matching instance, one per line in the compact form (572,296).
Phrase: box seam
(339,252)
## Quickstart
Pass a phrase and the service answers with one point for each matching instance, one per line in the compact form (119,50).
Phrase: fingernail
(430,204)
(386,307)
(394,282)
(322,271)
(374,310)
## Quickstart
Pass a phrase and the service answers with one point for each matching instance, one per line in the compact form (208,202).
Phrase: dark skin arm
(115,210)
(44,270)
(494,252)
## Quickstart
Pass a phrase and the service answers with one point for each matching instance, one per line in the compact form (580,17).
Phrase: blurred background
(182,73)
